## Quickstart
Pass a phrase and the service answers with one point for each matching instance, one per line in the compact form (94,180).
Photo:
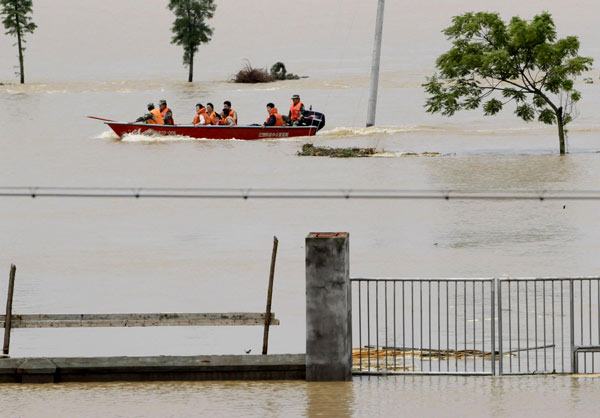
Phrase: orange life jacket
(164,113)
(233,114)
(278,117)
(157,118)
(295,111)
(224,121)
(212,118)
(197,117)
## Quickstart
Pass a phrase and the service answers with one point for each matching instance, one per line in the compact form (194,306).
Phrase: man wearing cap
(166,113)
(296,110)
(153,117)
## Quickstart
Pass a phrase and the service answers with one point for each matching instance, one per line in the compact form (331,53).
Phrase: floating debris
(250,74)
(393,358)
(419,154)
(312,151)
(351,152)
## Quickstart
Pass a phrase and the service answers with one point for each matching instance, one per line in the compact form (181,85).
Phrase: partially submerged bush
(279,71)
(249,74)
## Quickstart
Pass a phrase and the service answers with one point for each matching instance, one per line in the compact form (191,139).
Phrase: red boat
(311,123)
(214,132)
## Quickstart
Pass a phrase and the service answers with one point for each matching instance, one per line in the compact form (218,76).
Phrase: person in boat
(226,118)
(274,119)
(153,117)
(233,113)
(201,118)
(166,113)
(211,114)
(296,111)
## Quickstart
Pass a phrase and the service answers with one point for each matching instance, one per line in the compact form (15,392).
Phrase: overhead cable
(289,193)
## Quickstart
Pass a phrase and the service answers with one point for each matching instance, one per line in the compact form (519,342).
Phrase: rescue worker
(201,118)
(232,113)
(211,114)
(153,117)
(226,118)
(296,110)
(274,119)
(166,113)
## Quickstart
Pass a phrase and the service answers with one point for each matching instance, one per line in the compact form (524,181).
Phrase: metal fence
(418,326)
(476,326)
(549,325)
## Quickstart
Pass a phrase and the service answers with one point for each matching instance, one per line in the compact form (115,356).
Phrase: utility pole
(375,65)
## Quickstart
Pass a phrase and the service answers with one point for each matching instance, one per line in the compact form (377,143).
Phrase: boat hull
(214,132)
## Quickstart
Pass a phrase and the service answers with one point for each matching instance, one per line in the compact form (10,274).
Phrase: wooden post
(270,297)
(8,317)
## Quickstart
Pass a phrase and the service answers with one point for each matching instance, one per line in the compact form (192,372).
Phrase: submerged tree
(520,61)
(17,21)
(190,28)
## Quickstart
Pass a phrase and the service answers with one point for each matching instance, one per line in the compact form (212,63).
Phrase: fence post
(8,317)
(500,336)
(328,307)
(493,286)
(572,326)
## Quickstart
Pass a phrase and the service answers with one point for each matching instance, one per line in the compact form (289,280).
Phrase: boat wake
(156,137)
(107,135)
(379,130)
(153,137)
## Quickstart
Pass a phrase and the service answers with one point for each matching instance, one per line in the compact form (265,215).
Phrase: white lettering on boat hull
(273,134)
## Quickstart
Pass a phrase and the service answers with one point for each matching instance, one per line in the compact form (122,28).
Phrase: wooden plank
(137,320)
(9,300)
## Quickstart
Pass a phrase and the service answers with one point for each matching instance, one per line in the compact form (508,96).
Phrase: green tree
(492,63)
(190,28)
(17,21)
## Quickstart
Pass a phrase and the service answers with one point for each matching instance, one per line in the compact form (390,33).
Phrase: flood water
(127,255)
(392,396)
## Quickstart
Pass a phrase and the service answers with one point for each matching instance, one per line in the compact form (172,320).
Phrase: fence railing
(10,320)
(466,326)
(546,324)
(437,326)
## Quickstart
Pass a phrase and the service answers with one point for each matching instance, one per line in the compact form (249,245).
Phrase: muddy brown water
(103,255)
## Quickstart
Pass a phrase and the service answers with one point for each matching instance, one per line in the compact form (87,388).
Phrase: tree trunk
(21,70)
(561,130)
(191,74)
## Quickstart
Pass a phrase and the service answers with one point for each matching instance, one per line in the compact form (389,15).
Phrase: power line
(288,193)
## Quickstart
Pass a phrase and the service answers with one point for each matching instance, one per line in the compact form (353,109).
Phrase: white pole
(375,65)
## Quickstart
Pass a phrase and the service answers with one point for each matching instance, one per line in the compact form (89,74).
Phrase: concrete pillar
(328,307)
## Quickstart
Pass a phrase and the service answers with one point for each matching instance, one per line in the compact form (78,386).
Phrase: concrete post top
(328,235)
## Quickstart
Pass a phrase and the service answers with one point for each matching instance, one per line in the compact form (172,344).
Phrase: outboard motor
(312,118)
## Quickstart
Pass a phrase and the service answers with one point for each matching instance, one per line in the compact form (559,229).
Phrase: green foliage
(189,28)
(519,61)
(279,72)
(15,17)
(492,107)
(547,116)
(17,22)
